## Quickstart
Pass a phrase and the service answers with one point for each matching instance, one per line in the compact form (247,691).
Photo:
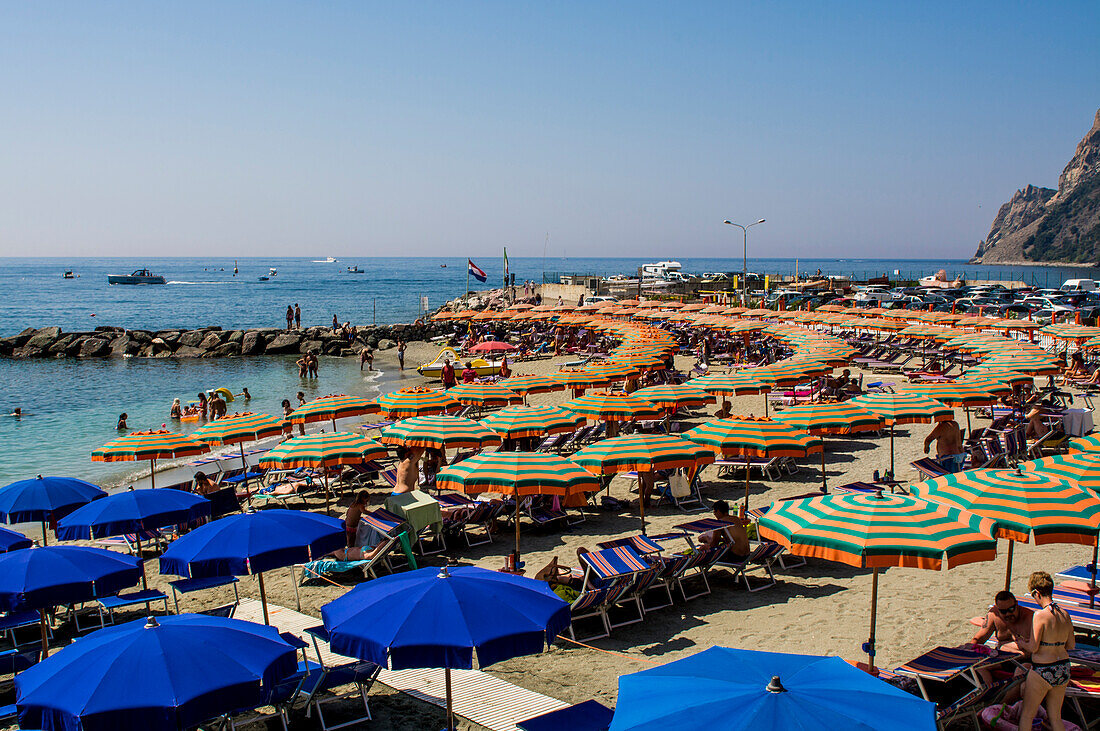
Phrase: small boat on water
(355,270)
(68,274)
(327,260)
(434,369)
(141,276)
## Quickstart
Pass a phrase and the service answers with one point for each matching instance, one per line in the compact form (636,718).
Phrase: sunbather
(356,553)
(408,473)
(949,445)
(1049,644)
(726,411)
(1006,619)
(557,574)
(354,514)
(734,534)
(203,484)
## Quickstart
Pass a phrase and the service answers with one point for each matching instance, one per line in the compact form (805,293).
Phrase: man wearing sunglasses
(1005,618)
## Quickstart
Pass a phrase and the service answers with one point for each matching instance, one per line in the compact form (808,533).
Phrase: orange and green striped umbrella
(416,401)
(614,371)
(579,378)
(749,437)
(1085,444)
(1082,468)
(838,417)
(642,453)
(674,396)
(439,432)
(641,361)
(323,450)
(605,406)
(483,394)
(994,385)
(517,474)
(1021,504)
(526,385)
(902,408)
(788,372)
(1036,365)
(240,428)
(878,531)
(983,373)
(332,407)
(151,445)
(953,393)
(736,384)
(520,422)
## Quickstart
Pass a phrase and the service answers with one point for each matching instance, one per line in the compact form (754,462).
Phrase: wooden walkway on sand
(478,697)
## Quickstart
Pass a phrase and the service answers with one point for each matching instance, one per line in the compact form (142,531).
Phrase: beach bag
(679,485)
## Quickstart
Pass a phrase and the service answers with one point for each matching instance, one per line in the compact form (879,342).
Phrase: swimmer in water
(121,426)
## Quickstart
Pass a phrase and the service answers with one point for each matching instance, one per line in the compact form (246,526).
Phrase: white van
(1079,285)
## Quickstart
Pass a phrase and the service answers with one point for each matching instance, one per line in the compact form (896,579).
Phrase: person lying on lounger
(733,534)
(356,553)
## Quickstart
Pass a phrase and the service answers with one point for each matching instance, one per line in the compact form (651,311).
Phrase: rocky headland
(1043,225)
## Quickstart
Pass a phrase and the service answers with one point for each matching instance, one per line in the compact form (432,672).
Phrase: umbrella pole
(46,538)
(45,633)
(1092,586)
(745,507)
(450,709)
(1008,568)
(244,465)
(874,610)
(517,532)
(153,473)
(891,450)
(968,429)
(766,405)
(643,478)
(324,476)
(824,483)
(263,596)
(141,562)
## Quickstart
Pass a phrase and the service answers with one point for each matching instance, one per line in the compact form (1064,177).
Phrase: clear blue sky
(880,129)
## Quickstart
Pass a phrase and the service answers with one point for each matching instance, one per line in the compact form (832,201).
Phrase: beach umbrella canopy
(149,445)
(902,408)
(877,531)
(519,422)
(1080,468)
(838,417)
(416,401)
(132,511)
(1034,364)
(37,578)
(162,673)
(483,394)
(751,437)
(11,540)
(493,346)
(1021,504)
(526,385)
(440,432)
(771,691)
(45,498)
(332,407)
(323,450)
(606,406)
(614,371)
(1079,444)
(439,618)
(674,396)
(518,474)
(251,543)
(579,378)
(953,393)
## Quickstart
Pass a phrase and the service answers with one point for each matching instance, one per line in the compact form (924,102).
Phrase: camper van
(1079,285)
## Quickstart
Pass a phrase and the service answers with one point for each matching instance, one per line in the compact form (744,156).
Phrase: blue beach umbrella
(44,498)
(764,691)
(438,618)
(251,543)
(171,673)
(132,511)
(12,540)
(36,578)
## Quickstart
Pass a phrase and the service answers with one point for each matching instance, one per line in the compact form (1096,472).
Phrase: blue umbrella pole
(45,536)
(450,709)
(874,610)
(244,464)
(45,633)
(263,596)
(141,561)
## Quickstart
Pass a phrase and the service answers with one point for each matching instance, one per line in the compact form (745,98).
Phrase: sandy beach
(820,608)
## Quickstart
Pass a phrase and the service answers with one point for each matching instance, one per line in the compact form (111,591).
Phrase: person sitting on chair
(733,533)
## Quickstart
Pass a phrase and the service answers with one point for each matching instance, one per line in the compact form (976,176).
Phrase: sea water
(72,406)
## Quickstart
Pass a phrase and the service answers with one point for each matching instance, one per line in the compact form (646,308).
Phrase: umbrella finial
(39,477)
(443,573)
(152,622)
(773,687)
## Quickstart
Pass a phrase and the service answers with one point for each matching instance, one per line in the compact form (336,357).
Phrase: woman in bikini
(1050,643)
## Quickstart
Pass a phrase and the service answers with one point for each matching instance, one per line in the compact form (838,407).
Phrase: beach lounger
(943,664)
(643,545)
(480,514)
(698,567)
(186,586)
(16,661)
(316,691)
(973,703)
(586,716)
(627,575)
(589,604)
(762,556)
(1083,618)
(669,569)
(367,566)
(11,622)
(108,605)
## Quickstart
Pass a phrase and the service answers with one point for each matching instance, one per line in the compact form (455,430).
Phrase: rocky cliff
(1044,225)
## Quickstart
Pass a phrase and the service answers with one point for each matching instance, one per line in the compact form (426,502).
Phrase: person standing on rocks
(297,317)
(289,317)
(335,324)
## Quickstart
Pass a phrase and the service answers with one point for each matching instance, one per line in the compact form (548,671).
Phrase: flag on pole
(506,266)
(475,271)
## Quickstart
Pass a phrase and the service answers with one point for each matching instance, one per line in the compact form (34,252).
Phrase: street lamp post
(745,258)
